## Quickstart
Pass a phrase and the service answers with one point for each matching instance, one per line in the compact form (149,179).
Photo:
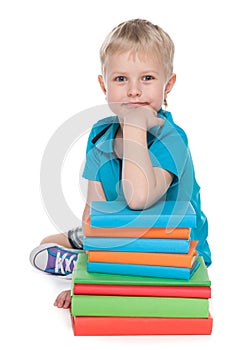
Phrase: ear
(102,85)
(169,85)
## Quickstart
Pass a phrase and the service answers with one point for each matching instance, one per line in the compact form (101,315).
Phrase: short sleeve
(92,164)
(94,156)
(169,150)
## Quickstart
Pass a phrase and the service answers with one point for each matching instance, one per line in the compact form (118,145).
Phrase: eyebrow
(119,73)
(150,71)
(143,72)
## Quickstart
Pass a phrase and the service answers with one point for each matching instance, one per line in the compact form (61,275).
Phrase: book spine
(159,291)
(122,326)
(86,305)
(156,245)
(141,258)
(140,270)
(124,221)
(143,232)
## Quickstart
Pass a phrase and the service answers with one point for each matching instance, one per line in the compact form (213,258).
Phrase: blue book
(143,270)
(150,245)
(166,214)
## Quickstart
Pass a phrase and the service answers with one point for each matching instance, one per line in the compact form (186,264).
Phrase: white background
(49,67)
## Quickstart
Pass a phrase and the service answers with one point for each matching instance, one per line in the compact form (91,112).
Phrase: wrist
(136,123)
(134,132)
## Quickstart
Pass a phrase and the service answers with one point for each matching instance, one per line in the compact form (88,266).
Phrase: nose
(134,90)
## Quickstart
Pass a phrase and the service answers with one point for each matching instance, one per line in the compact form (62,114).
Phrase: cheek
(156,94)
(112,98)
(114,95)
(157,99)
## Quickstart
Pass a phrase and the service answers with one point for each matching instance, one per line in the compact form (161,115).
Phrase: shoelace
(61,259)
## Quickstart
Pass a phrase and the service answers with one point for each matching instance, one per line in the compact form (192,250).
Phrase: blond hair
(139,36)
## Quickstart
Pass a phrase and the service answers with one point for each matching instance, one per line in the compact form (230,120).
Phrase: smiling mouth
(135,104)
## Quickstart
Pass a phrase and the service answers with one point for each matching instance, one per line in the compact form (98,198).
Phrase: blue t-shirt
(168,149)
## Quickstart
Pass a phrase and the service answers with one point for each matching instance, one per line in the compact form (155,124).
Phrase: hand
(63,300)
(144,117)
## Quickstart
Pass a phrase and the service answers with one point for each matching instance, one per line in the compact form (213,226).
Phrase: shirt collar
(105,142)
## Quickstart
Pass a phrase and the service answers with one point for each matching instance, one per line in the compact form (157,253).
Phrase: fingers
(144,117)
(63,300)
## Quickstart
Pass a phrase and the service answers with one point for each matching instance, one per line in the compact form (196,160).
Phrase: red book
(107,326)
(163,291)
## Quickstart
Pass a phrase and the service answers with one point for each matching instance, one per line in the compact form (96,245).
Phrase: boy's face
(133,80)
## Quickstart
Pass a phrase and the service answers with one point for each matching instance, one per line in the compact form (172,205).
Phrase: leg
(60,239)
(73,239)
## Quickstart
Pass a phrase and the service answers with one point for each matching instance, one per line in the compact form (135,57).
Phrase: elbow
(135,206)
(138,203)
(140,198)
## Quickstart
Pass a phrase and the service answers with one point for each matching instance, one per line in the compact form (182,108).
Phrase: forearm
(140,185)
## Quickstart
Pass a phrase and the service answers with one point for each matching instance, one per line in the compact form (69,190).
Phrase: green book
(81,276)
(133,306)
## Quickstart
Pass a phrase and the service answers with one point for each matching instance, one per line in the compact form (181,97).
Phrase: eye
(147,77)
(120,78)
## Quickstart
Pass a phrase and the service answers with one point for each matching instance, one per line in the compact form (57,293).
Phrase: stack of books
(141,274)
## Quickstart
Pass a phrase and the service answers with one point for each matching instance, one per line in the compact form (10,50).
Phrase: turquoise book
(149,245)
(166,214)
(143,270)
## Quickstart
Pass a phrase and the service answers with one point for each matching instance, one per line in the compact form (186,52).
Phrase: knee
(48,239)
(60,239)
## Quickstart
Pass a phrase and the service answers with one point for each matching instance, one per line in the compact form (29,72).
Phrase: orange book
(138,232)
(141,258)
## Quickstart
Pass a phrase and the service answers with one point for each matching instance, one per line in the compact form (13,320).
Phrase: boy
(139,155)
